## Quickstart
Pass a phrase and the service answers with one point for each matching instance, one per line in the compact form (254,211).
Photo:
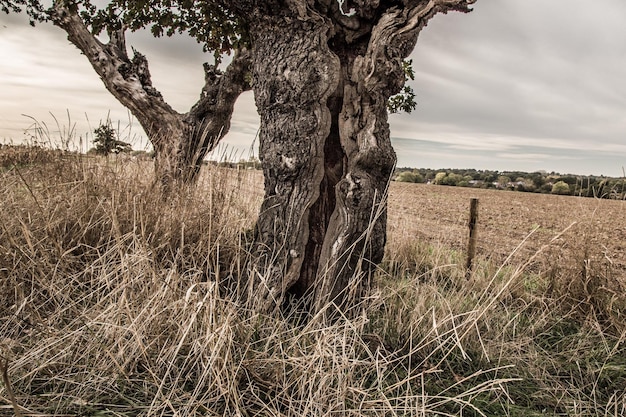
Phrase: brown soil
(587,232)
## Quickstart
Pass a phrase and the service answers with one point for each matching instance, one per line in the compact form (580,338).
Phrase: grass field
(110,304)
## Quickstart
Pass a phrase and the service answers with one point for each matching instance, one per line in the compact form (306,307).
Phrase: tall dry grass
(112,304)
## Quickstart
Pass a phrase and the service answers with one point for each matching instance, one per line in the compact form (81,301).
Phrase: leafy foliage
(208,22)
(34,9)
(560,187)
(404,101)
(106,141)
(410,176)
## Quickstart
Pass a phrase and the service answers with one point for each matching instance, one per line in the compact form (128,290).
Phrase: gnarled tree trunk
(295,75)
(180,140)
(323,76)
(327,159)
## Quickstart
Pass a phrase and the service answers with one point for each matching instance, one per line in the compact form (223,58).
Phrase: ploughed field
(581,234)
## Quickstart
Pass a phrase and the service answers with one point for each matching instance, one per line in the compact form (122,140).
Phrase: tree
(560,187)
(537,179)
(323,75)
(106,141)
(180,140)
(465,181)
(440,178)
(452,179)
(410,176)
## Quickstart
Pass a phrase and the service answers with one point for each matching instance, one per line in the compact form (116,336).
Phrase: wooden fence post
(473,235)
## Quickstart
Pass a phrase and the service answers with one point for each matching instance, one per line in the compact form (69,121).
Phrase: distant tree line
(534,182)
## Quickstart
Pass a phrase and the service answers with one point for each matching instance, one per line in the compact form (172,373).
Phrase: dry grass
(574,249)
(112,304)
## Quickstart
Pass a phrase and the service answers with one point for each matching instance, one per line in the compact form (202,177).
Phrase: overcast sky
(515,85)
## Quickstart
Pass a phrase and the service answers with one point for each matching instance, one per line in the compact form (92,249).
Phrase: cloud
(533,69)
(528,157)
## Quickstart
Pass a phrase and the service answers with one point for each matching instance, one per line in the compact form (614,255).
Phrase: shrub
(561,188)
(410,176)
(106,141)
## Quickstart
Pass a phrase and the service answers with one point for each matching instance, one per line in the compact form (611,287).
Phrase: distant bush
(452,179)
(107,141)
(439,177)
(561,188)
(410,176)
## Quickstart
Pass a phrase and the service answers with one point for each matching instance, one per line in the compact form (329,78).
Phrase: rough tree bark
(323,72)
(180,140)
(295,75)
